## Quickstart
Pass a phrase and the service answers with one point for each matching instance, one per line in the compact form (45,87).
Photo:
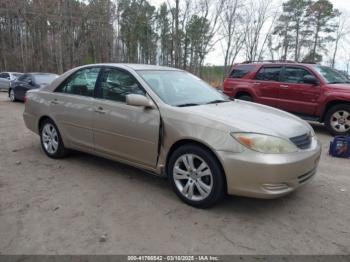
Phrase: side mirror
(139,100)
(309,79)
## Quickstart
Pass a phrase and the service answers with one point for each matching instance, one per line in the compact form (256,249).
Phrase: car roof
(38,73)
(135,67)
(277,63)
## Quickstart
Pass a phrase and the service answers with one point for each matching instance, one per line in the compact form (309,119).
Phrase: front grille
(303,141)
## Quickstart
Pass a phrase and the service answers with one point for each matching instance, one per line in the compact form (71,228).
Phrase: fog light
(275,187)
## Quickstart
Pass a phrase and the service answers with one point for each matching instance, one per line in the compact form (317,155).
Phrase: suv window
(240,71)
(294,75)
(116,84)
(81,83)
(269,74)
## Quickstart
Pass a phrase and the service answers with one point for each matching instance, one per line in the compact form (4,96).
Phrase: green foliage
(302,26)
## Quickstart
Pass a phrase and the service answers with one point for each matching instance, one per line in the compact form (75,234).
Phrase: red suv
(311,91)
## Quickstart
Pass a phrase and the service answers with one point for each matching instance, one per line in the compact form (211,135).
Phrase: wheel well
(193,142)
(241,93)
(41,120)
(330,105)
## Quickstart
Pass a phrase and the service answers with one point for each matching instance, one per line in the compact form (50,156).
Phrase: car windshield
(44,78)
(331,76)
(178,88)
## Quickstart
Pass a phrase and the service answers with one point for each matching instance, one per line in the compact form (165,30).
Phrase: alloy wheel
(193,177)
(340,121)
(50,138)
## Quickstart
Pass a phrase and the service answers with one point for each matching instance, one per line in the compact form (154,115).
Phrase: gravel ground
(88,205)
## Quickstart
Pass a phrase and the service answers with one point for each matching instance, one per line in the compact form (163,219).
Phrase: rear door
(72,107)
(266,84)
(295,95)
(120,130)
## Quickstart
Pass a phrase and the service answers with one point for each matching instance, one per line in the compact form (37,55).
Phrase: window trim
(69,78)
(270,66)
(98,88)
(282,76)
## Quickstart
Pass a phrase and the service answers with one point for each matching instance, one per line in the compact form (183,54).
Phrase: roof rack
(268,61)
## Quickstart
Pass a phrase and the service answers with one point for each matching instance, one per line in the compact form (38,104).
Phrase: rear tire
(337,120)
(51,140)
(245,98)
(196,176)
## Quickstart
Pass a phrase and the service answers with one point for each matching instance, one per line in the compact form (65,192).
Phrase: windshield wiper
(217,101)
(187,104)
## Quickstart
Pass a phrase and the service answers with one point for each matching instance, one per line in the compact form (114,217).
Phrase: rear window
(240,71)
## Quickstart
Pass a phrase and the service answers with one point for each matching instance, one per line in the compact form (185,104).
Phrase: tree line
(55,35)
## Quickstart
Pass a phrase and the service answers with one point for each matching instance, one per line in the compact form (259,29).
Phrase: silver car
(171,123)
(6,78)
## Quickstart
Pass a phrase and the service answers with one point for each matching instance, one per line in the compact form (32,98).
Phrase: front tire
(196,176)
(51,141)
(337,120)
(12,95)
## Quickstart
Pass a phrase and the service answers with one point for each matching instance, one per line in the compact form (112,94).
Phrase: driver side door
(296,96)
(121,131)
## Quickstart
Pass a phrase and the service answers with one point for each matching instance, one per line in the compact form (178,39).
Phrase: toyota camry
(170,122)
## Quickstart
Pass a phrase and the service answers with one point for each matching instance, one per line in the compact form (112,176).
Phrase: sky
(216,57)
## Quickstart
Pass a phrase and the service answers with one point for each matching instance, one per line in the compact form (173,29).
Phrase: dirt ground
(88,205)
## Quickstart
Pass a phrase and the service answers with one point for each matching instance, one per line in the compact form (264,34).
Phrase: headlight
(265,143)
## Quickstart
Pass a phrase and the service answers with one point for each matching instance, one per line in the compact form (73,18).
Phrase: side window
(24,78)
(269,74)
(116,84)
(240,71)
(294,75)
(80,83)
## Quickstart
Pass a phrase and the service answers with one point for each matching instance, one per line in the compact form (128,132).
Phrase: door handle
(284,86)
(100,110)
(256,83)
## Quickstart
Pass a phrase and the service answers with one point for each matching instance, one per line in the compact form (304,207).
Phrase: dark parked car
(311,91)
(27,82)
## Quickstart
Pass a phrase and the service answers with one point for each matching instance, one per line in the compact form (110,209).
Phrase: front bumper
(259,175)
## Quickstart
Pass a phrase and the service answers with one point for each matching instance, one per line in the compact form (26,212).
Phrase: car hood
(241,116)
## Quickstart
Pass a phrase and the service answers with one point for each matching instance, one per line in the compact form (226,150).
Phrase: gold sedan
(171,123)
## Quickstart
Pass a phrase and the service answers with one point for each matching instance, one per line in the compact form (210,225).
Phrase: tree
(292,26)
(256,15)
(342,29)
(321,14)
(233,38)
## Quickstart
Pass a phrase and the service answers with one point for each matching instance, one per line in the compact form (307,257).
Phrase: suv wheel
(51,141)
(337,120)
(196,176)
